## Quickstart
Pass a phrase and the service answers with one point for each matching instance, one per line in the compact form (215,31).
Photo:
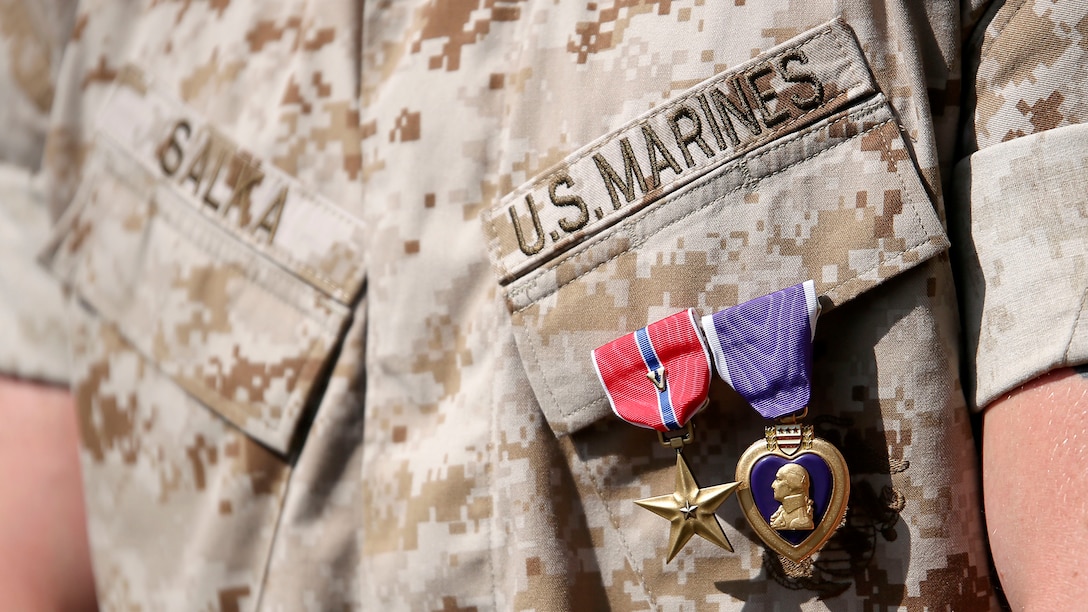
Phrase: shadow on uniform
(866,559)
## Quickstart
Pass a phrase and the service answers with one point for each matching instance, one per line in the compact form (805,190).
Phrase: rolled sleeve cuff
(1021,240)
(33,338)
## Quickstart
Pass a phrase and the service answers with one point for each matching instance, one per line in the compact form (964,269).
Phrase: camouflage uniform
(332,273)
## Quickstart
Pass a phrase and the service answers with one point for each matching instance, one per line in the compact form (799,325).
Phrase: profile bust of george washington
(791,490)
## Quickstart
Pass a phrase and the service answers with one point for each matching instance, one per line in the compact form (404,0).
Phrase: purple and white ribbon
(763,348)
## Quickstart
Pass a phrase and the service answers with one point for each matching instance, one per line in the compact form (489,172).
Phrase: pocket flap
(836,199)
(244,328)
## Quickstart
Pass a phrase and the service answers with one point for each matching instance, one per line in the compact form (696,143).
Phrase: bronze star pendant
(690,510)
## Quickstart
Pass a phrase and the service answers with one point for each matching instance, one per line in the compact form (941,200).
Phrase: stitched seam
(896,258)
(219,252)
(583,407)
(250,424)
(713,202)
(294,401)
(1076,324)
(531,280)
(553,401)
(494,214)
(903,186)
(541,261)
(623,541)
(316,356)
(266,570)
(742,164)
(999,29)
(255,423)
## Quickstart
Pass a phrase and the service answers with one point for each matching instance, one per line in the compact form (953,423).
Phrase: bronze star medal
(658,377)
(690,510)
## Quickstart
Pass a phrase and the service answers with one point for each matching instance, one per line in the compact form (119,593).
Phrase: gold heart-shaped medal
(793,489)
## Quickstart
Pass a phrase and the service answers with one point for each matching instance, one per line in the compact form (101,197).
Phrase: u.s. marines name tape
(794,84)
(252,200)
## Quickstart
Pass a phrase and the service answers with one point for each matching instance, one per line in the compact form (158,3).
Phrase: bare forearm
(1035,448)
(44,563)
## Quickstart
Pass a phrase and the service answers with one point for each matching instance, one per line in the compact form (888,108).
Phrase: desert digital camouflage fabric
(332,272)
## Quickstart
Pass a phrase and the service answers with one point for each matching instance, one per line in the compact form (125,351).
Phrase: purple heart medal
(793,486)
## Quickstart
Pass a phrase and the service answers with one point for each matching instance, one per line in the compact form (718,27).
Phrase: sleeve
(1020,224)
(33,344)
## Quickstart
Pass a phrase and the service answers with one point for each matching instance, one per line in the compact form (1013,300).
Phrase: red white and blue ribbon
(763,348)
(659,376)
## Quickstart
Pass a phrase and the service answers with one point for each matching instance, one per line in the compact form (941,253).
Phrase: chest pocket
(787,168)
(210,293)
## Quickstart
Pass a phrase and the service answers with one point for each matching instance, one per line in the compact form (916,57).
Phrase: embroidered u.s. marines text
(211,167)
(717,121)
(731,115)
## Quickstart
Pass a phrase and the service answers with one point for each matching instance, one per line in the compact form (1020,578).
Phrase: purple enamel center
(820,485)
